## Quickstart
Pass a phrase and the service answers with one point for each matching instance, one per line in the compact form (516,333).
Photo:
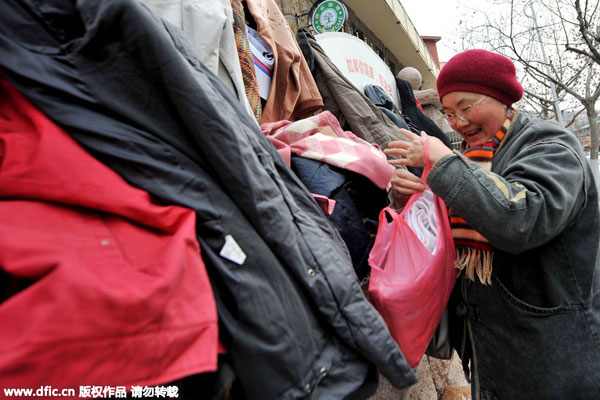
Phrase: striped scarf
(245,56)
(474,252)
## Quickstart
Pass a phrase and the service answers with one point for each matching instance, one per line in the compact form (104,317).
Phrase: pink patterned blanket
(321,137)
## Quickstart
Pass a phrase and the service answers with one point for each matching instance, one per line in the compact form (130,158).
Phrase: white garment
(264,60)
(208,27)
(420,216)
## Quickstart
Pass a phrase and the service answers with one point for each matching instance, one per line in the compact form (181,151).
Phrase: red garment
(419,104)
(120,294)
(483,72)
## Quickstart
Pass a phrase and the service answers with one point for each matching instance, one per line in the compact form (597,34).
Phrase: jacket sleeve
(534,198)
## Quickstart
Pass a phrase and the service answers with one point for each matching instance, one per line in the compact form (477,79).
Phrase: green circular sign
(329,16)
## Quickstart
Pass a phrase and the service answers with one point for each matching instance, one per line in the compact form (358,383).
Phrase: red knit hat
(481,71)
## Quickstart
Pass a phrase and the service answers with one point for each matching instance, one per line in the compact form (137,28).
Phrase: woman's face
(476,117)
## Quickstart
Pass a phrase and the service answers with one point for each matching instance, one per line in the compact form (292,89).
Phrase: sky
(440,18)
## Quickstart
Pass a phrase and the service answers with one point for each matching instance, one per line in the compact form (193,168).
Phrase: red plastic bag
(409,285)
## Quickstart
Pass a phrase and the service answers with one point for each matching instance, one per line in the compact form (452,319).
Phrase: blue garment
(357,207)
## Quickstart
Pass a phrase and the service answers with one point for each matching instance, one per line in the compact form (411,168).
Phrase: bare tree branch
(583,28)
(556,47)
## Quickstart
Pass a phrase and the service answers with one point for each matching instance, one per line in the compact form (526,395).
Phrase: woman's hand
(404,185)
(413,150)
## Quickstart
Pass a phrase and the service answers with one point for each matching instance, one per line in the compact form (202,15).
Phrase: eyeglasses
(462,113)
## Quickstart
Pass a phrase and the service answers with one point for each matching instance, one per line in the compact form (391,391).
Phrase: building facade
(382,24)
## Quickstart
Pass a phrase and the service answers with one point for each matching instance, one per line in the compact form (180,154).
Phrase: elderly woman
(525,312)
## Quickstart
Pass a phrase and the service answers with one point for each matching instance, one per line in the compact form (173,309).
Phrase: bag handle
(387,215)
(427,161)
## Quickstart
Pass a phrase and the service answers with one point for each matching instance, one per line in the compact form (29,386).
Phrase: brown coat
(294,94)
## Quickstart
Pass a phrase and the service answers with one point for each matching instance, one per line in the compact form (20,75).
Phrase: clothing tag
(232,251)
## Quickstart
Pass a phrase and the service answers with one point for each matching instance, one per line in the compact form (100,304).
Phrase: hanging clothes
(382,99)
(118,293)
(357,205)
(350,106)
(321,137)
(208,26)
(293,317)
(354,169)
(294,94)
(264,60)
(416,115)
(246,59)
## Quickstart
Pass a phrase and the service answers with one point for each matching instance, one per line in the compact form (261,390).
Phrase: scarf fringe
(475,261)
(473,251)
